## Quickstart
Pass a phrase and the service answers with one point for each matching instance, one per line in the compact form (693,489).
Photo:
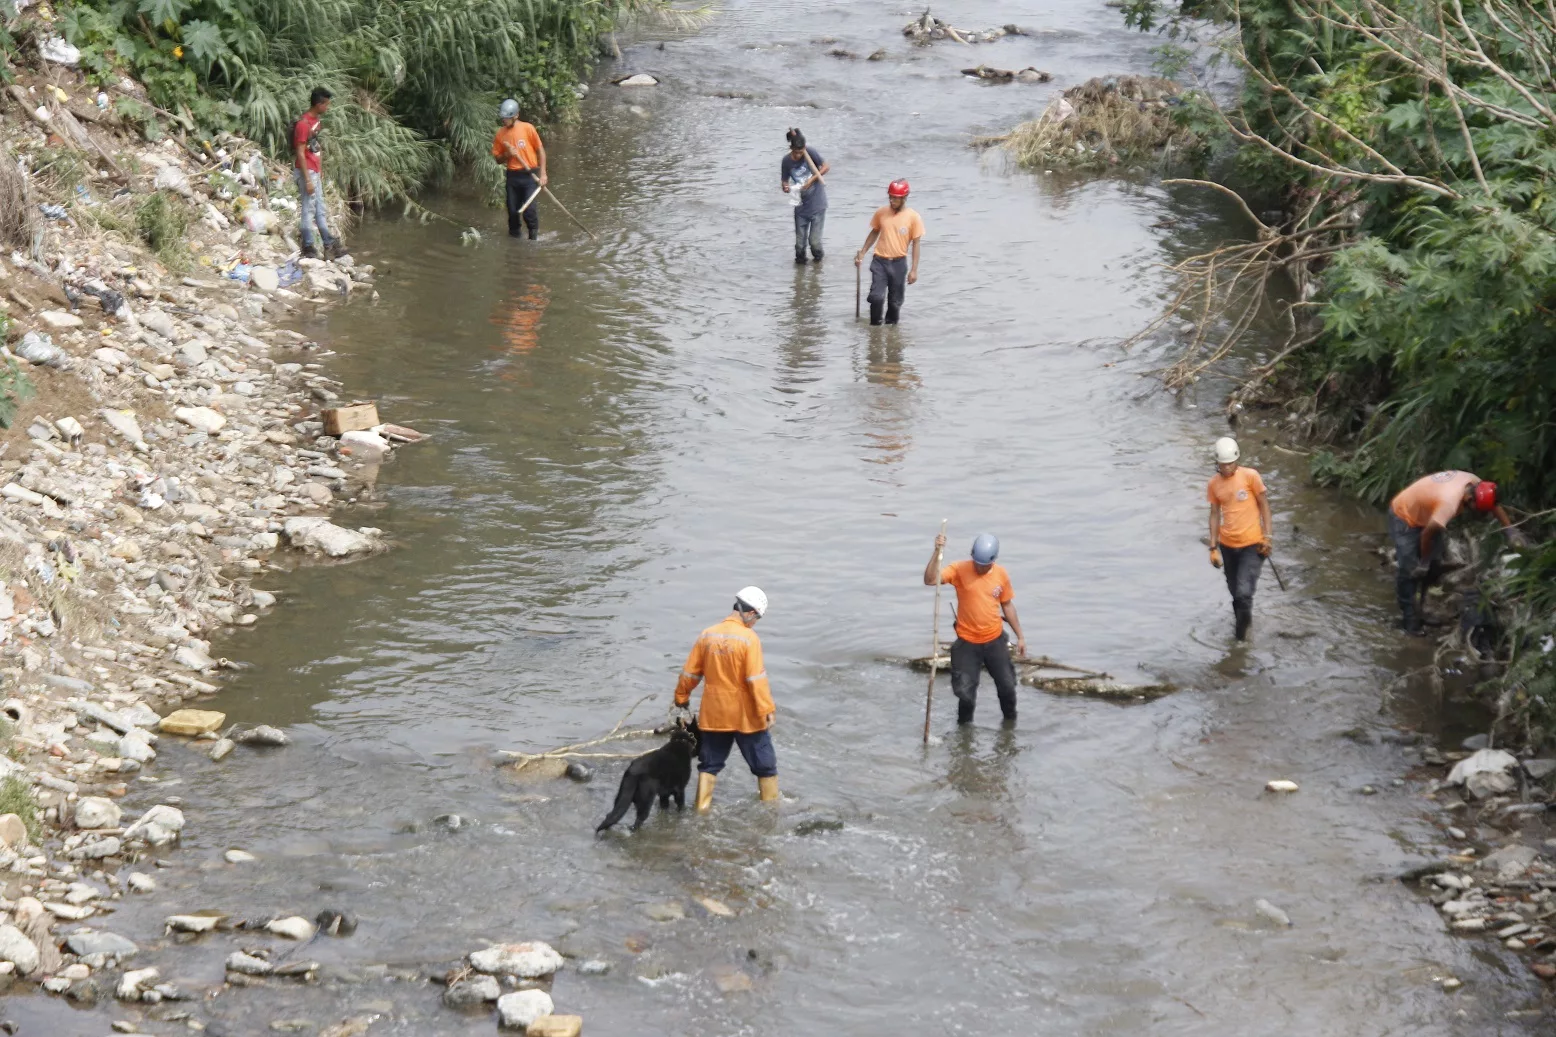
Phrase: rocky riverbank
(166,446)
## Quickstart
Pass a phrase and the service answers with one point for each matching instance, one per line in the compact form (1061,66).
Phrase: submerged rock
(312,533)
(262,735)
(474,991)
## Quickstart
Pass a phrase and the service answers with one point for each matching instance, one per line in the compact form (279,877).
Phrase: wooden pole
(570,216)
(934,647)
(858,276)
(532,196)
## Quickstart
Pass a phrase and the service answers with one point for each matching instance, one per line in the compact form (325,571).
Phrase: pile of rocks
(926,29)
(174,448)
(1510,891)
(526,966)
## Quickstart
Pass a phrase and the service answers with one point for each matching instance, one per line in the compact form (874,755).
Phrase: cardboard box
(356,417)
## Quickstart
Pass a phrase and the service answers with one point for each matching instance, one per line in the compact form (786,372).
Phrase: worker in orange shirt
(894,229)
(1418,518)
(737,706)
(985,602)
(517,146)
(1240,529)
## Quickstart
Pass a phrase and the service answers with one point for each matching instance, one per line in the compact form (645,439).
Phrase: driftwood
(1005,75)
(926,28)
(616,734)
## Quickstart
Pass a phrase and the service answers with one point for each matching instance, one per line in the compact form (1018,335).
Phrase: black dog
(663,772)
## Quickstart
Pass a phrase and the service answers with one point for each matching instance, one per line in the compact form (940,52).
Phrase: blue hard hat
(986,548)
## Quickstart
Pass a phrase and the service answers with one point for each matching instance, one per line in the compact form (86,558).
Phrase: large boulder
(17,949)
(158,826)
(522,1007)
(97,812)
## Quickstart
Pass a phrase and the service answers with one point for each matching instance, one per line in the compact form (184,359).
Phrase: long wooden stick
(532,196)
(858,277)
(570,216)
(934,645)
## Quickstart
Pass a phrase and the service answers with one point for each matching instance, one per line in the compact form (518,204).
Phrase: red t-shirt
(306,133)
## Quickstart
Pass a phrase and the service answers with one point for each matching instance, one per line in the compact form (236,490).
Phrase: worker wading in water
(737,706)
(894,229)
(799,174)
(1418,521)
(517,146)
(1240,528)
(985,602)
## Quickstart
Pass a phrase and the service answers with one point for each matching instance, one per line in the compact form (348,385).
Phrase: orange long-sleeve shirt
(728,656)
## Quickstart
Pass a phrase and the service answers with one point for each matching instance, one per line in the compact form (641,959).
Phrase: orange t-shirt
(1432,498)
(896,230)
(978,600)
(736,697)
(525,142)
(1237,494)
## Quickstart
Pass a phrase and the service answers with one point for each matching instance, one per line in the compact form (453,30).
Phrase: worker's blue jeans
(807,231)
(714,746)
(310,207)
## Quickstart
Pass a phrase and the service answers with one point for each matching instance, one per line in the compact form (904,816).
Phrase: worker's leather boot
(704,792)
(767,789)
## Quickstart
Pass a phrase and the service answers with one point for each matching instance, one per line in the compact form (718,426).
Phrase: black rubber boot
(799,257)
(1411,621)
(875,312)
(309,252)
(815,255)
(964,712)
(1243,611)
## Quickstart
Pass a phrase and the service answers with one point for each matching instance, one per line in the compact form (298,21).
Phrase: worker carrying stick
(737,705)
(1418,521)
(1240,529)
(517,146)
(985,602)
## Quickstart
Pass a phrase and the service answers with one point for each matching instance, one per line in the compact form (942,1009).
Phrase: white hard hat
(753,597)
(1226,450)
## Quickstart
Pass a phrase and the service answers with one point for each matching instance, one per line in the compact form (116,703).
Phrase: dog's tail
(623,802)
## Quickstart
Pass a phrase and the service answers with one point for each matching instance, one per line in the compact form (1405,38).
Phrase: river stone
(641,79)
(669,911)
(1510,862)
(526,960)
(199,922)
(134,746)
(293,928)
(13,831)
(141,716)
(97,849)
(1539,770)
(238,857)
(17,949)
(109,945)
(193,353)
(140,882)
(97,812)
(202,418)
(474,991)
(158,321)
(1271,912)
(315,533)
(158,826)
(192,721)
(248,965)
(130,984)
(59,320)
(264,278)
(264,734)
(556,1026)
(221,747)
(522,1007)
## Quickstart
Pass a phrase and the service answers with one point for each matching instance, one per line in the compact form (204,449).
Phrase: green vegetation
(416,82)
(1413,148)
(162,220)
(1106,122)
(16,798)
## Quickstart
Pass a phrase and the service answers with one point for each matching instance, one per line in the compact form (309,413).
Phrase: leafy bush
(416,82)
(162,220)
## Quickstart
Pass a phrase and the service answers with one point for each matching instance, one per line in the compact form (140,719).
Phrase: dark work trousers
(522,184)
(1407,555)
(888,283)
(1242,566)
(967,659)
(713,749)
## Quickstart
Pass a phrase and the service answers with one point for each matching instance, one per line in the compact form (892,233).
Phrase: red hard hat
(1485,495)
(897,189)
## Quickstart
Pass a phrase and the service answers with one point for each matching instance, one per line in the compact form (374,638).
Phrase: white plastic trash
(59,51)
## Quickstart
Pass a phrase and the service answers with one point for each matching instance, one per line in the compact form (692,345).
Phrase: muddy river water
(626,431)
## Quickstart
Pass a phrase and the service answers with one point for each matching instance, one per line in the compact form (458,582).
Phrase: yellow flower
(178,52)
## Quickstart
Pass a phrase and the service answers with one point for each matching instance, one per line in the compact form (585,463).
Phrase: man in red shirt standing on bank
(1240,527)
(985,602)
(309,174)
(893,230)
